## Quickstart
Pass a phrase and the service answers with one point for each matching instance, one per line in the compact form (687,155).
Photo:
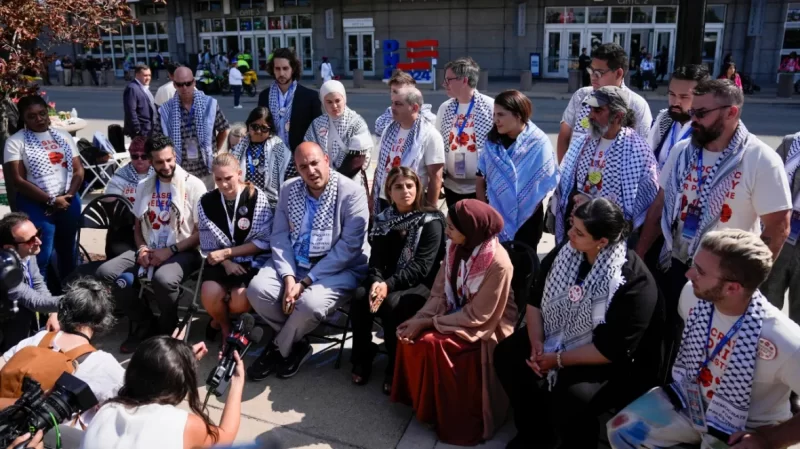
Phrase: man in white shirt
(413,142)
(325,70)
(739,357)
(166,235)
(235,81)
(609,63)
(743,186)
(648,71)
(674,123)
(167,90)
(399,80)
(463,121)
(59,71)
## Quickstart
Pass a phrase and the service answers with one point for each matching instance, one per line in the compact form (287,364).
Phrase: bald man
(320,255)
(195,124)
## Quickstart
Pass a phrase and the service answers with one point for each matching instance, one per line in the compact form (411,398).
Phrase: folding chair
(102,173)
(109,212)
(334,325)
(526,269)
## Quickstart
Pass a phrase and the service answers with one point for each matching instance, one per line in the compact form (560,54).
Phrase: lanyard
(158,197)
(231,220)
(731,332)
(466,117)
(287,99)
(190,119)
(674,132)
(700,179)
(251,168)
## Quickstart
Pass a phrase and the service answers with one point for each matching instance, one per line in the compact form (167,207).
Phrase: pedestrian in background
(235,81)
(68,67)
(325,70)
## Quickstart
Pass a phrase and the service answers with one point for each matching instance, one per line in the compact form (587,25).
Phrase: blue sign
(536,67)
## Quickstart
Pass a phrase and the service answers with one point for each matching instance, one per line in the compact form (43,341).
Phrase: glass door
(640,44)
(360,52)
(573,50)
(275,42)
(247,51)
(596,39)
(291,43)
(261,54)
(620,38)
(712,41)
(663,42)
(553,56)
(306,54)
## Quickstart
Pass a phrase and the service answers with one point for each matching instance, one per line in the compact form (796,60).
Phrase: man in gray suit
(19,234)
(320,256)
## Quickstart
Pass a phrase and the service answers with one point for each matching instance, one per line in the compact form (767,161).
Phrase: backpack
(40,363)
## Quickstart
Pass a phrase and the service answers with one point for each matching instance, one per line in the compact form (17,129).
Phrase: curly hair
(157,142)
(87,303)
(288,54)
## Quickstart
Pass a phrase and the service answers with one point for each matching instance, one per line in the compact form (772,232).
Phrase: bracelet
(558,360)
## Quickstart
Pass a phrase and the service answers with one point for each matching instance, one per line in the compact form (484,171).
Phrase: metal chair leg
(341,345)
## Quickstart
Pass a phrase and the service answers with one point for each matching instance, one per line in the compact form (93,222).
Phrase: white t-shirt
(642,117)
(759,188)
(677,133)
(777,371)
(145,427)
(597,164)
(464,146)
(15,145)
(195,188)
(59,68)
(165,93)
(119,186)
(100,370)
(235,77)
(432,152)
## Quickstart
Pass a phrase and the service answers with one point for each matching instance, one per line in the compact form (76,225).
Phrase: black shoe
(139,332)
(301,351)
(266,364)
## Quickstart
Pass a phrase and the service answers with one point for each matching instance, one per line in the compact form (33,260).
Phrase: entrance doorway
(360,52)
(712,47)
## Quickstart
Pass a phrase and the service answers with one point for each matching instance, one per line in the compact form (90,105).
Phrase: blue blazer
(139,114)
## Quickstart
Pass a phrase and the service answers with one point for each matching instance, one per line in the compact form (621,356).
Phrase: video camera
(10,277)
(35,410)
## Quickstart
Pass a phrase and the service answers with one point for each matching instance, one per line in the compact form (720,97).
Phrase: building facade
(501,35)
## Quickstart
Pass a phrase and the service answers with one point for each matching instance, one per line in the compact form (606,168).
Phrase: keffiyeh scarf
(322,226)
(411,222)
(275,155)
(521,177)
(629,176)
(717,183)
(470,274)
(340,137)
(41,166)
(729,407)
(793,159)
(569,321)
(129,174)
(203,114)
(214,237)
(386,119)
(177,206)
(412,153)
(482,114)
(280,114)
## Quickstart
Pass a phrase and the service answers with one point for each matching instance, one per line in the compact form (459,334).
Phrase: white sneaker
(237,107)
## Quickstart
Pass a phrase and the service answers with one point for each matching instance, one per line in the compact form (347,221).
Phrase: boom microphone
(240,340)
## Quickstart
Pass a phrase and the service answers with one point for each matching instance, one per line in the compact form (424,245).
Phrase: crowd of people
(617,346)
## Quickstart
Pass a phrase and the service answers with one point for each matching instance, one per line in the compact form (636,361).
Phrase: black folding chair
(113,213)
(526,268)
(340,341)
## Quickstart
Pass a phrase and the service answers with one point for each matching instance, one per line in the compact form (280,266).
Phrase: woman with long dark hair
(44,166)
(729,72)
(144,415)
(409,242)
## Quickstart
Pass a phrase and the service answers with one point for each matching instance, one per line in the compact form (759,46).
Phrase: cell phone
(719,435)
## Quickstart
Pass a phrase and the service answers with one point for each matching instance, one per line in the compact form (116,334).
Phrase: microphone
(241,339)
(124,280)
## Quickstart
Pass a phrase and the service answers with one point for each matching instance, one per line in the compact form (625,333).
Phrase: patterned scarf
(386,119)
(793,159)
(569,323)
(730,404)
(276,154)
(520,177)
(717,183)
(275,106)
(629,177)
(39,161)
(353,133)
(470,274)
(322,226)
(212,237)
(482,113)
(412,153)
(412,222)
(177,205)
(204,112)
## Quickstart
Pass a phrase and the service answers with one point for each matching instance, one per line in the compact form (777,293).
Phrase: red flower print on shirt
(463,139)
(472,136)
(705,377)
(620,420)
(396,161)
(55,157)
(131,199)
(156,226)
(710,394)
(454,147)
(151,216)
(472,148)
(452,136)
(64,164)
(725,214)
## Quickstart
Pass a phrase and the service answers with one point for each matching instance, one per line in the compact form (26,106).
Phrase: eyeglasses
(450,80)
(259,128)
(702,113)
(138,157)
(186,84)
(31,240)
(597,73)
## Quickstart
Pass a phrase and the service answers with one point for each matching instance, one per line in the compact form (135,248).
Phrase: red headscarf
(478,222)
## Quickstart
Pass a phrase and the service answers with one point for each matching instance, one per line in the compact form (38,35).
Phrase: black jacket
(423,268)
(305,108)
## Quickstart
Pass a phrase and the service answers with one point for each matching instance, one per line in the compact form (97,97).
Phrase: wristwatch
(305,283)
(174,248)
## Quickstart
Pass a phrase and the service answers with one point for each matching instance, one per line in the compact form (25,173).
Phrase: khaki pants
(67,77)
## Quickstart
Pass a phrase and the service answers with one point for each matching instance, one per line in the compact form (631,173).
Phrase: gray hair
(238,129)
(615,108)
(743,256)
(411,95)
(139,68)
(87,303)
(724,91)
(465,68)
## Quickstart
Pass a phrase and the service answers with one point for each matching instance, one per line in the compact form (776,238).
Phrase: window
(217,25)
(576,15)
(231,25)
(666,14)
(152,9)
(252,4)
(620,14)
(791,38)
(642,14)
(715,14)
(208,5)
(304,21)
(259,24)
(554,15)
(138,29)
(203,26)
(163,45)
(150,28)
(598,14)
(126,30)
(275,22)
(793,13)
(162,27)
(245,24)
(296,3)
(152,46)
(289,22)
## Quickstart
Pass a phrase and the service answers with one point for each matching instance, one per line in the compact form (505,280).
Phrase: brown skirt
(440,377)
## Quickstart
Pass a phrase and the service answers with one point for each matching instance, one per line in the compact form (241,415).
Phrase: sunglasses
(701,113)
(259,128)
(31,240)
(138,157)
(186,84)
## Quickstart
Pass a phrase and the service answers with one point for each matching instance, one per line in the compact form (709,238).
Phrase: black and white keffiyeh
(275,155)
(386,119)
(717,183)
(569,323)
(729,407)
(629,178)
(40,165)
(280,114)
(203,114)
(482,114)
(213,237)
(352,131)
(793,159)
(129,174)
(391,220)
(322,226)
(412,153)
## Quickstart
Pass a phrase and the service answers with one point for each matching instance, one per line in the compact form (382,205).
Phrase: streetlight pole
(691,31)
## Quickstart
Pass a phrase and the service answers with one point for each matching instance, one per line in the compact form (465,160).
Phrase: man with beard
(399,80)
(739,357)
(672,124)
(608,66)
(612,162)
(292,106)
(166,238)
(723,177)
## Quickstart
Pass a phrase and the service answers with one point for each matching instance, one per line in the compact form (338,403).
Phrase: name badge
(795,229)
(460,165)
(319,241)
(694,399)
(191,149)
(691,223)
(162,238)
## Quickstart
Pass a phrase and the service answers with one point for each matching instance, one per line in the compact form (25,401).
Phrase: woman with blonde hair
(234,220)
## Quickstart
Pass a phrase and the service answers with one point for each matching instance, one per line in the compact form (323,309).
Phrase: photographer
(85,310)
(145,414)
(19,234)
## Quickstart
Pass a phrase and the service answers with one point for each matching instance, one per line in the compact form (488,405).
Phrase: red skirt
(440,377)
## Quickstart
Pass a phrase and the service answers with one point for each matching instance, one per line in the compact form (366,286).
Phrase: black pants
(237,94)
(571,411)
(398,307)
(531,231)
(452,198)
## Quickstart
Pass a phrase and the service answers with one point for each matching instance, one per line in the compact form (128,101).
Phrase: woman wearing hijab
(342,133)
(519,159)
(235,221)
(262,155)
(444,364)
(410,238)
(592,341)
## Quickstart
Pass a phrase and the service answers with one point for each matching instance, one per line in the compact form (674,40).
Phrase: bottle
(73,113)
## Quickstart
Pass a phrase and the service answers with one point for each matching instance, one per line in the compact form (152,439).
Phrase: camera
(10,277)
(35,410)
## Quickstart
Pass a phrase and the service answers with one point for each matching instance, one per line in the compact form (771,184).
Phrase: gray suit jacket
(783,152)
(37,298)
(349,247)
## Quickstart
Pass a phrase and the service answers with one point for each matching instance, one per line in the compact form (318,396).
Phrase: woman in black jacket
(407,242)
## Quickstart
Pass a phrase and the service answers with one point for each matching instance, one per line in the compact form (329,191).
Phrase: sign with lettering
(358,23)
(250,12)
(420,54)
(329,23)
